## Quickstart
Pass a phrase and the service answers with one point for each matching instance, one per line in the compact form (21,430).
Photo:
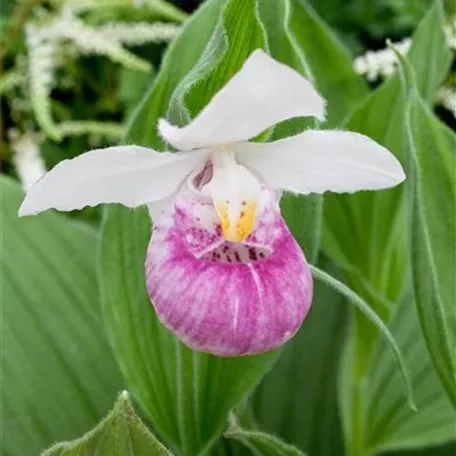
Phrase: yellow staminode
(237,224)
(235,192)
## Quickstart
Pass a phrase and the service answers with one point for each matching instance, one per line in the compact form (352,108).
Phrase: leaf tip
(125,395)
(412,404)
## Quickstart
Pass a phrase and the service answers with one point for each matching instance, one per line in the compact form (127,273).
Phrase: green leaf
(130,88)
(390,424)
(121,433)
(262,444)
(366,234)
(236,36)
(366,310)
(448,449)
(7,9)
(433,231)
(297,36)
(58,373)
(364,229)
(187,395)
(297,399)
(180,58)
(303,215)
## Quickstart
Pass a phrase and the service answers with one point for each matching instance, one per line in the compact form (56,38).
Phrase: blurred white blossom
(42,62)
(450,31)
(378,64)
(54,37)
(91,40)
(27,158)
(135,34)
(447,98)
(381,64)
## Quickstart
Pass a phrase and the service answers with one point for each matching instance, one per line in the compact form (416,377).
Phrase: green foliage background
(77,326)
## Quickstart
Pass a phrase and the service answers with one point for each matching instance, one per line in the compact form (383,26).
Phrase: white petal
(263,93)
(130,175)
(320,161)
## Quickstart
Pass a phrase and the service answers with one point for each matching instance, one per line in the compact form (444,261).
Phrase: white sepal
(320,161)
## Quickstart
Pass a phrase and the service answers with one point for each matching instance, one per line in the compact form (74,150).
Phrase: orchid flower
(223,271)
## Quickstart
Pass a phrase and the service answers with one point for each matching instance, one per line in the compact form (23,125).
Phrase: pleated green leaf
(298,37)
(391,424)
(237,34)
(177,62)
(364,230)
(121,433)
(371,316)
(308,366)
(433,230)
(58,376)
(366,234)
(187,395)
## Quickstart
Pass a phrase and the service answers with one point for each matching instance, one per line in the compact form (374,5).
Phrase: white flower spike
(219,240)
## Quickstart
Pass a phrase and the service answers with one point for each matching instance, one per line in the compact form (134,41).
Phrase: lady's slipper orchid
(222,269)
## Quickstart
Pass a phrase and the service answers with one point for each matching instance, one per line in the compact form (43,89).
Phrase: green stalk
(362,350)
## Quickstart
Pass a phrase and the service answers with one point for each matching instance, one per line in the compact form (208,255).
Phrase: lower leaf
(57,376)
(121,433)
